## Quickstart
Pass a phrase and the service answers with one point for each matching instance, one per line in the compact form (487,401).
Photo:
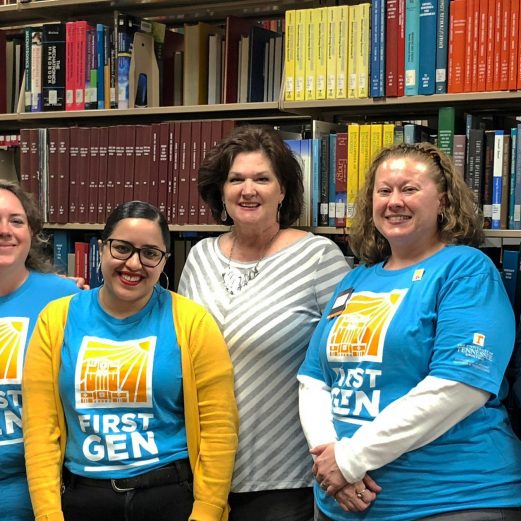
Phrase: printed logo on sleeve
(13,335)
(114,374)
(479,339)
(359,332)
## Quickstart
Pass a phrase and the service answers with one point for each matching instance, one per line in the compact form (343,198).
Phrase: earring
(224,214)
(99,274)
(278,212)
(167,285)
(441,217)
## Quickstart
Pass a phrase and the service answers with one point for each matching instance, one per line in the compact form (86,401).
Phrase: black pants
(172,502)
(272,505)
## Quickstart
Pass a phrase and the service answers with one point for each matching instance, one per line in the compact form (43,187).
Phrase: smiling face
(252,192)
(128,284)
(406,204)
(15,236)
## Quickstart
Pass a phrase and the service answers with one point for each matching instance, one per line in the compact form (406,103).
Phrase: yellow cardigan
(209,403)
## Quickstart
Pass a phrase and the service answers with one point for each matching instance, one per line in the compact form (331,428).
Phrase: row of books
(9,140)
(80,174)
(402,47)
(137,63)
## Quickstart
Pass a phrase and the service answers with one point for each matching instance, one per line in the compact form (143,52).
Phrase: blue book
(517,189)
(95,279)
(295,146)
(513,168)
(497,179)
(315,179)
(427,56)
(307,160)
(376,43)
(510,273)
(442,46)
(332,179)
(61,248)
(412,46)
(100,79)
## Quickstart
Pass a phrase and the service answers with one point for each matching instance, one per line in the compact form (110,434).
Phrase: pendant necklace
(234,280)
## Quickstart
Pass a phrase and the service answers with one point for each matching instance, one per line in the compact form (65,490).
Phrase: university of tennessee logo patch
(359,332)
(13,335)
(114,374)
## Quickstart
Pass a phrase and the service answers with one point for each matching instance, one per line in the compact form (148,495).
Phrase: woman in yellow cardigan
(129,411)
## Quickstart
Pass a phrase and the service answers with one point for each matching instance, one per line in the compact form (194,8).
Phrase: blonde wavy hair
(461,222)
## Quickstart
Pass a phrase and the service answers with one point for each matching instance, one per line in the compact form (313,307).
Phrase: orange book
(457,42)
(514,46)
(482,47)
(498,28)
(505,45)
(475,46)
(469,37)
(491,27)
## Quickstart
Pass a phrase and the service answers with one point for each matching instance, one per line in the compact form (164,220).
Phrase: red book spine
(457,46)
(103,170)
(130,154)
(498,31)
(80,69)
(81,260)
(400,43)
(173,174)
(74,170)
(63,175)
(93,175)
(227,126)
(341,171)
(71,64)
(391,49)
(482,46)
(53,174)
(206,144)
(83,177)
(162,171)
(491,28)
(469,40)
(505,45)
(119,176)
(217,131)
(34,164)
(195,158)
(142,162)
(25,164)
(514,45)
(183,182)
(4,73)
(153,179)
(112,165)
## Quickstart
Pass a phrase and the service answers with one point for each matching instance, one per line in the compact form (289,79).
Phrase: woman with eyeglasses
(129,404)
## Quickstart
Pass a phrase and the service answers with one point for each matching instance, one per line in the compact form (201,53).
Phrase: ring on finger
(323,485)
(360,495)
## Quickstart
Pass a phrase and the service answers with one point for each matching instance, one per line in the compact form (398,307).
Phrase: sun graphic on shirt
(13,335)
(359,331)
(114,374)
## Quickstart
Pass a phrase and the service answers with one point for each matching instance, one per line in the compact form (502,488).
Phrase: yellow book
(364,153)
(319,16)
(353,133)
(289,57)
(342,16)
(352,37)
(331,53)
(311,28)
(388,135)
(364,44)
(376,139)
(301,22)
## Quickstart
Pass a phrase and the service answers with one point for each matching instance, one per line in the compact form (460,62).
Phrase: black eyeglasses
(123,250)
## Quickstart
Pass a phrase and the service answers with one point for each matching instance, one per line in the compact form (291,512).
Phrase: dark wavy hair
(461,221)
(248,138)
(137,210)
(37,259)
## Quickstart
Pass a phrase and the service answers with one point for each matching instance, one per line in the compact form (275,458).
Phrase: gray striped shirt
(267,327)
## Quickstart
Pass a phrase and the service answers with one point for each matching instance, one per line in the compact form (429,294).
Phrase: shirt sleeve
(414,420)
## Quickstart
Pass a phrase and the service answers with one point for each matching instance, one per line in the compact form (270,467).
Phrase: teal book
(412,46)
(62,246)
(513,173)
(442,46)
(427,47)
(332,179)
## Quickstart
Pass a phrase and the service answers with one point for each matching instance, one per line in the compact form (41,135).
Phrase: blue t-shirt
(18,313)
(121,387)
(447,316)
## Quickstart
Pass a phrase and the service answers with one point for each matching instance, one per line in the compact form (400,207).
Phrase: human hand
(325,469)
(358,496)
(80,281)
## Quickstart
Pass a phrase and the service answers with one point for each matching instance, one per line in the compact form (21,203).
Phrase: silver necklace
(234,280)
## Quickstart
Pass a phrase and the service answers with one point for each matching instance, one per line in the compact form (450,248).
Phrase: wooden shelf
(174,12)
